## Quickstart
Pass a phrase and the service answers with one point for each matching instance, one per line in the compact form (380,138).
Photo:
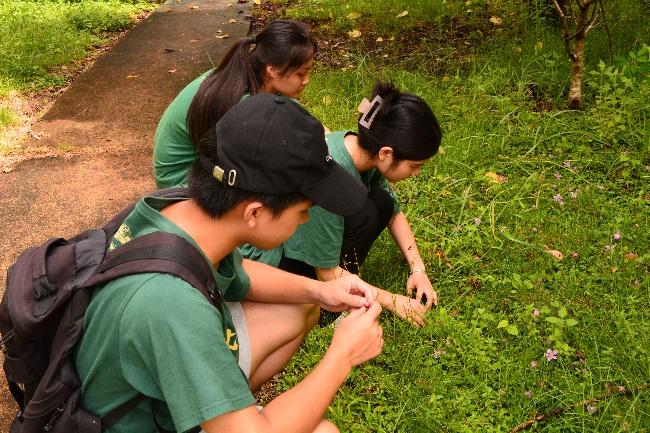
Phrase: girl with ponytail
(397,134)
(277,60)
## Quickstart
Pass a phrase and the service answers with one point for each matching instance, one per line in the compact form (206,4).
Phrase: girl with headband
(397,134)
(277,60)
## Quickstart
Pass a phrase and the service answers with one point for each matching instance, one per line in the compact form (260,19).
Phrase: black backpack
(48,291)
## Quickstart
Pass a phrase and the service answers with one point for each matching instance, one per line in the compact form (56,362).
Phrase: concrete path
(98,135)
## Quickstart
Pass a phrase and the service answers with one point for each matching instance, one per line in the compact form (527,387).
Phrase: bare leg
(275,332)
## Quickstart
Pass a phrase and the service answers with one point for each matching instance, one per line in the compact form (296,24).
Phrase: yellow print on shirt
(122,236)
(231,336)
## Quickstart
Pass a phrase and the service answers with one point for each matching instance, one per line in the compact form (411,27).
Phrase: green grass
(38,36)
(7,117)
(485,243)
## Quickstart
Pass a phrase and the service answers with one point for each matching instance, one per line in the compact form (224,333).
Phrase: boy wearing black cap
(258,173)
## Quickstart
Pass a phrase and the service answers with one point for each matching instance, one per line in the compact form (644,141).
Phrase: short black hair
(405,123)
(217,199)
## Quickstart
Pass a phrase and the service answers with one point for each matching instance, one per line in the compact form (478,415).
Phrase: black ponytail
(404,122)
(285,44)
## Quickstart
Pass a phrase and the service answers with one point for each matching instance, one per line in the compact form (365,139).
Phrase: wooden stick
(619,390)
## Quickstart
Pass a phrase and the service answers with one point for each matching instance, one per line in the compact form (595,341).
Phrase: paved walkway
(99,133)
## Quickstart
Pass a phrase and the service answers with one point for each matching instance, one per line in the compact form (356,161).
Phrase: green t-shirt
(173,150)
(156,335)
(318,241)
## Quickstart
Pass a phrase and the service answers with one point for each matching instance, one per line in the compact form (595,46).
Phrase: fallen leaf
(219,31)
(402,14)
(539,45)
(380,39)
(353,16)
(257,2)
(496,21)
(193,7)
(224,36)
(354,33)
(631,256)
(614,269)
(385,56)
(557,255)
(169,50)
(232,21)
(441,150)
(171,71)
(128,77)
(392,38)
(7,169)
(327,100)
(495,178)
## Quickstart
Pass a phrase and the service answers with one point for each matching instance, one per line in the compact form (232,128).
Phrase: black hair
(285,44)
(216,198)
(404,123)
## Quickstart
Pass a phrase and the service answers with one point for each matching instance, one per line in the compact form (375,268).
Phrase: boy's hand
(420,282)
(346,292)
(407,308)
(358,336)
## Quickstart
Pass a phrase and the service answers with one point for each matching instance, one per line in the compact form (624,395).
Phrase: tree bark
(577,72)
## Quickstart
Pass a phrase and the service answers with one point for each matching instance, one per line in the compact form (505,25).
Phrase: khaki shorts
(238,319)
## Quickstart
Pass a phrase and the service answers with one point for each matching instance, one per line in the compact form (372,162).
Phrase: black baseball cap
(269,144)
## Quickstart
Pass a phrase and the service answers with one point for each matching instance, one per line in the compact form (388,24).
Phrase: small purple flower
(617,236)
(551,354)
(567,165)
(558,176)
(528,393)
(437,353)
(575,255)
(536,313)
(533,364)
(477,221)
(558,198)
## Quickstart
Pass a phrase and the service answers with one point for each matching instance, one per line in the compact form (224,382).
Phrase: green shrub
(622,98)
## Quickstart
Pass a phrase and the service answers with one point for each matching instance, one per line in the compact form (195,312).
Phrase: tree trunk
(577,72)
(578,62)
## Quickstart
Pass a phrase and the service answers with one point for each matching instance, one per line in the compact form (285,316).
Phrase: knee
(312,313)
(326,426)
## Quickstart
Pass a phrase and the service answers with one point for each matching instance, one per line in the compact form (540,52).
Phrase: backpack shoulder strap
(160,252)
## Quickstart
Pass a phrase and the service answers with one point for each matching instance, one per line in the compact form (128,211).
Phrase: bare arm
(401,231)
(272,285)
(299,410)
(403,306)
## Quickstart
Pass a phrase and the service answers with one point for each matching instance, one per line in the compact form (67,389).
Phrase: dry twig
(618,390)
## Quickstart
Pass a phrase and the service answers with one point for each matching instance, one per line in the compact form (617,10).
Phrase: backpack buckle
(215,294)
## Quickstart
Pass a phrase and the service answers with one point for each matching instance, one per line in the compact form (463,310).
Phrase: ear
(272,72)
(385,153)
(364,106)
(252,212)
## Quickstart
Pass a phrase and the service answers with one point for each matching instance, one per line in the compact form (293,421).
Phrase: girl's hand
(408,309)
(419,281)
